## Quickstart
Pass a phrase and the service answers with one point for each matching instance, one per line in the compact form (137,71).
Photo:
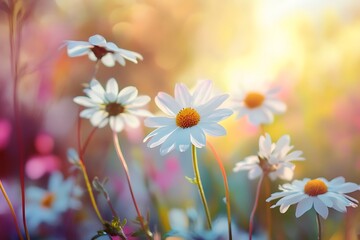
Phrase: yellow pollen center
(48,200)
(187,117)
(254,99)
(315,187)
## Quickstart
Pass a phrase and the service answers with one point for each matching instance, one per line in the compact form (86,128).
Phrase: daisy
(118,108)
(259,104)
(45,205)
(97,48)
(320,193)
(189,117)
(273,159)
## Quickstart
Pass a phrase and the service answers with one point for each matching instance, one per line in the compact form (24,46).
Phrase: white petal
(155,122)
(77,48)
(112,86)
(160,137)
(346,187)
(139,112)
(327,201)
(108,60)
(116,123)
(96,87)
(95,96)
(97,40)
(129,55)
(303,206)
(182,95)
(255,172)
(92,56)
(139,101)
(87,113)
(84,101)
(212,104)
(97,118)
(169,144)
(275,106)
(183,139)
(197,137)
(127,95)
(167,104)
(213,129)
(202,92)
(284,208)
(130,120)
(321,208)
(260,116)
(216,115)
(112,46)
(119,59)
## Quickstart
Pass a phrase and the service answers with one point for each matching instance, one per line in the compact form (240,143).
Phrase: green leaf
(192,180)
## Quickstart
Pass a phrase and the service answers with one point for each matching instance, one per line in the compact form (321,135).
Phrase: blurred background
(309,48)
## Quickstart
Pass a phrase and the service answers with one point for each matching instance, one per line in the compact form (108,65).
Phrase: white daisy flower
(118,108)
(190,116)
(45,206)
(258,103)
(97,48)
(273,159)
(319,193)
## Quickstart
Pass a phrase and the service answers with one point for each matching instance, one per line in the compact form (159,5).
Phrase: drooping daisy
(273,159)
(46,205)
(258,103)
(98,49)
(189,117)
(118,108)
(318,193)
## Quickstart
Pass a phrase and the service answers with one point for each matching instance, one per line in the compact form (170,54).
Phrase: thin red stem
(126,169)
(251,222)
(226,185)
(15,42)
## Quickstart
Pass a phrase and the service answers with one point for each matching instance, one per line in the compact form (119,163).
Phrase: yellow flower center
(315,187)
(254,99)
(187,117)
(48,200)
(114,109)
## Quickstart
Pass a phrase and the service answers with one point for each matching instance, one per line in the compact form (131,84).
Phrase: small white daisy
(97,48)
(258,103)
(319,193)
(273,159)
(118,108)
(190,116)
(45,206)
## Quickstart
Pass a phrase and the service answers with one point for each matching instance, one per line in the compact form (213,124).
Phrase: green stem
(226,186)
(199,184)
(88,186)
(11,209)
(318,225)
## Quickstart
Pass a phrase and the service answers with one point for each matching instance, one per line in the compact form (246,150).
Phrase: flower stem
(11,209)
(88,186)
(319,226)
(226,185)
(199,184)
(15,43)
(251,222)
(126,169)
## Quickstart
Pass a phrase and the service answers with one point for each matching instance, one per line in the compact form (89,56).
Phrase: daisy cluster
(187,118)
